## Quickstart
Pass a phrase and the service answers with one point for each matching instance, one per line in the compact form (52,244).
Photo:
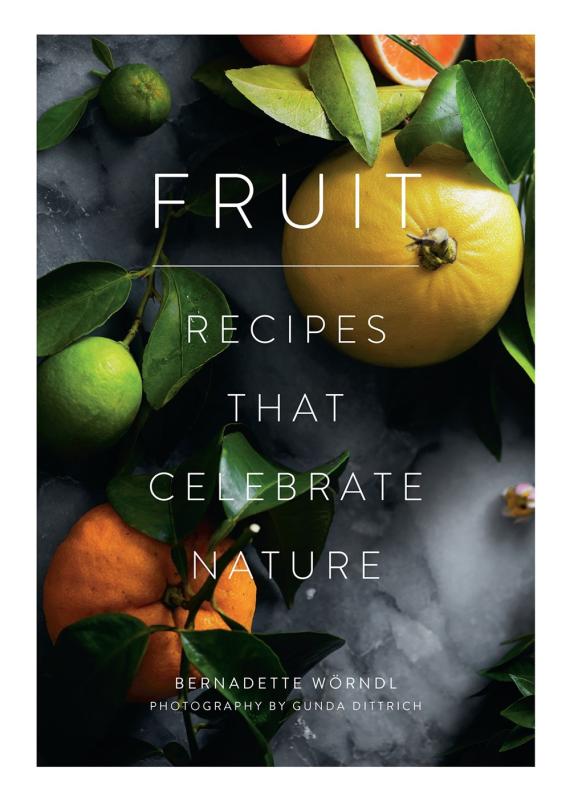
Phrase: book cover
(286,400)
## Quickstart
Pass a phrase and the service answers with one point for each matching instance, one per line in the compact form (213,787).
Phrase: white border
(18,321)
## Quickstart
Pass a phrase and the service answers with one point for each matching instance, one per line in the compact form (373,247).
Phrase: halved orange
(404,67)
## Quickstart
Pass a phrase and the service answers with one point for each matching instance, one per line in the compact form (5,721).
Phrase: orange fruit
(104,565)
(519,49)
(403,67)
(289,50)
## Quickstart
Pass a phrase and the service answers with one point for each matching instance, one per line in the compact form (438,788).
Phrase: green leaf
(515,335)
(103,53)
(58,122)
(233,743)
(301,527)
(228,655)
(342,81)
(131,498)
(299,652)
(240,458)
(522,666)
(188,513)
(169,360)
(285,94)
(516,738)
(486,422)
(397,103)
(97,659)
(518,660)
(75,299)
(521,712)
(520,645)
(231,623)
(497,111)
(524,685)
(528,269)
(436,121)
(213,76)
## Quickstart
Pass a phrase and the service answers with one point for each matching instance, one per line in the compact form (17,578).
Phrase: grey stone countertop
(456,577)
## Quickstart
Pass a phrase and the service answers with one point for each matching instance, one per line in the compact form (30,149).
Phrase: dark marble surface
(456,577)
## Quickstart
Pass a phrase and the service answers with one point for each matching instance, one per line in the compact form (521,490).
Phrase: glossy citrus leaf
(239,458)
(75,299)
(188,513)
(228,655)
(436,121)
(285,94)
(59,121)
(297,529)
(97,659)
(341,79)
(300,651)
(131,498)
(498,123)
(516,738)
(529,250)
(515,336)
(521,712)
(103,53)
(213,75)
(169,360)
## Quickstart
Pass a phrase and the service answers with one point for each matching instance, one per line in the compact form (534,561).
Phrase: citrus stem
(133,330)
(205,593)
(435,248)
(186,715)
(150,290)
(418,51)
(207,589)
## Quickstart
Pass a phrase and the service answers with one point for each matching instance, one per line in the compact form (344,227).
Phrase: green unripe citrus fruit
(88,396)
(136,99)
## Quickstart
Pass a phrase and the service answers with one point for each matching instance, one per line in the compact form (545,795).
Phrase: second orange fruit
(104,565)
(515,47)
(288,50)
(404,67)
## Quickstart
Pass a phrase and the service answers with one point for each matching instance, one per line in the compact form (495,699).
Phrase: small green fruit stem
(186,715)
(435,248)
(205,593)
(418,51)
(148,273)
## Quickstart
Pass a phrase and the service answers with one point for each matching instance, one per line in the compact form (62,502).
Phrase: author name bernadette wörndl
(333,682)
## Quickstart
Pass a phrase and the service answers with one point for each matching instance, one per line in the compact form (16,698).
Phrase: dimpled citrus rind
(429,316)
(136,99)
(105,566)
(88,396)
(518,48)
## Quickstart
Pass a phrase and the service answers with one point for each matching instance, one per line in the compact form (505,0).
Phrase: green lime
(135,98)
(88,396)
